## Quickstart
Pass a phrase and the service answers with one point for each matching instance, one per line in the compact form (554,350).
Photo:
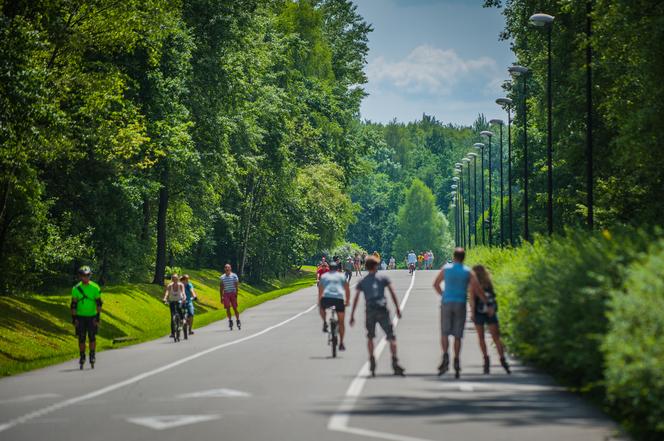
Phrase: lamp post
(454,187)
(474,156)
(489,135)
(466,163)
(507,103)
(523,71)
(589,114)
(480,147)
(546,21)
(462,205)
(500,123)
(453,205)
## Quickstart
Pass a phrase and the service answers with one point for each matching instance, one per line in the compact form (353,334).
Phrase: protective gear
(85,270)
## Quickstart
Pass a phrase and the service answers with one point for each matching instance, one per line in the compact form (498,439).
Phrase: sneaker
(444,365)
(505,365)
(342,347)
(457,368)
(238,324)
(325,327)
(372,366)
(487,364)
(398,370)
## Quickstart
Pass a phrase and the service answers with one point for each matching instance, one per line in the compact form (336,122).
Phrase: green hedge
(589,309)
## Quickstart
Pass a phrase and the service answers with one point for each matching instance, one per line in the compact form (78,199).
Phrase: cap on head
(84,271)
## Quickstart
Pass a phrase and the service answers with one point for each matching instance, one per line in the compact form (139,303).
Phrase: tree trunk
(145,228)
(160,264)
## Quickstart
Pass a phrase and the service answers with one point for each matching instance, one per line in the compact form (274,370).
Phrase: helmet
(85,270)
(334,266)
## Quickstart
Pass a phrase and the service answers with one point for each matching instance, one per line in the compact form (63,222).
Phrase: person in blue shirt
(191,297)
(458,279)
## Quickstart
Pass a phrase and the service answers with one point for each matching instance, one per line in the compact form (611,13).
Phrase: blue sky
(440,57)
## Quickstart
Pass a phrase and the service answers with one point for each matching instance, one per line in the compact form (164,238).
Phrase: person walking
(190,298)
(229,288)
(458,278)
(358,264)
(85,313)
(373,286)
(348,269)
(481,318)
(430,259)
(425,254)
(393,263)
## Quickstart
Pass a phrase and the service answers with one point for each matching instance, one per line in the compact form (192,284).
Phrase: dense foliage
(395,155)
(588,309)
(627,108)
(140,134)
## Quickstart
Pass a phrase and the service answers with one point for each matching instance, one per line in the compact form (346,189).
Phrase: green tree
(420,225)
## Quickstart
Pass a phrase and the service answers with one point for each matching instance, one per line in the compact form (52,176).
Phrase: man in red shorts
(228,288)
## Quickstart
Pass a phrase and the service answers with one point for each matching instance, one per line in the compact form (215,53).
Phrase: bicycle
(411,268)
(333,327)
(178,322)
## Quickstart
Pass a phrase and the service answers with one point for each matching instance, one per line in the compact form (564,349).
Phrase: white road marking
(339,421)
(27,398)
(162,422)
(506,386)
(135,379)
(215,393)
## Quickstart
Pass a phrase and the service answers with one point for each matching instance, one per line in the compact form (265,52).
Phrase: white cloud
(426,69)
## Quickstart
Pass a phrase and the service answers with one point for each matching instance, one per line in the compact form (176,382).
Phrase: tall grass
(589,309)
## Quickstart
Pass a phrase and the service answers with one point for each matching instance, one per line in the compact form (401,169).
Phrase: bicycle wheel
(184,328)
(333,337)
(334,347)
(174,327)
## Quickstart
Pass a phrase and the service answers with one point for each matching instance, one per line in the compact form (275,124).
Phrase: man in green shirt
(85,312)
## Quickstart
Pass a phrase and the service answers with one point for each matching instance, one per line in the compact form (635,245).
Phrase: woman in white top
(174,295)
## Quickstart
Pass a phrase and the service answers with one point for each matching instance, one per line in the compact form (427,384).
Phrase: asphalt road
(274,380)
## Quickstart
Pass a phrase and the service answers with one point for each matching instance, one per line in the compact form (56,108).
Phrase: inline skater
(458,278)
(85,313)
(373,286)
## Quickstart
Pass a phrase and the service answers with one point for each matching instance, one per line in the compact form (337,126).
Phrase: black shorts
(86,328)
(380,316)
(327,302)
(485,319)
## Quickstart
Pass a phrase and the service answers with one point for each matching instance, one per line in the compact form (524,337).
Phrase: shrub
(634,350)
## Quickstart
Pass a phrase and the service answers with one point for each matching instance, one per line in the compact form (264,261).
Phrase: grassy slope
(36,329)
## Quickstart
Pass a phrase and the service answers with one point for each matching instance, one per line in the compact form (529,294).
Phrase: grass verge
(36,330)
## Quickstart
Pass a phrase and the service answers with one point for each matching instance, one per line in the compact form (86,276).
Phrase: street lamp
(500,123)
(489,135)
(466,163)
(474,156)
(507,104)
(480,147)
(518,71)
(546,21)
(457,218)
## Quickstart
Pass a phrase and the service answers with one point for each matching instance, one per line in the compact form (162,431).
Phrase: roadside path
(274,380)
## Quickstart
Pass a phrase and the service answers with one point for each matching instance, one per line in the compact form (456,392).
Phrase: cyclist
(322,269)
(348,269)
(85,312)
(175,297)
(229,287)
(331,292)
(373,286)
(191,297)
(412,260)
